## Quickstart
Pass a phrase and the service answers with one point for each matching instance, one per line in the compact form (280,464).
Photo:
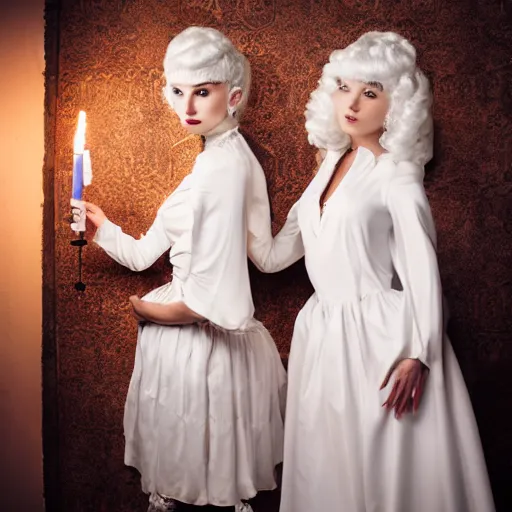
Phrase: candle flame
(79,141)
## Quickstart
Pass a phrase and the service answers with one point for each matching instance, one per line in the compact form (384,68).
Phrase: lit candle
(82,175)
(78,157)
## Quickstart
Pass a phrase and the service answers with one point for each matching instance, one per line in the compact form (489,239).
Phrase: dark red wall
(106,57)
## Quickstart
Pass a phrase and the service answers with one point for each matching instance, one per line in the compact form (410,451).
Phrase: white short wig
(390,59)
(199,55)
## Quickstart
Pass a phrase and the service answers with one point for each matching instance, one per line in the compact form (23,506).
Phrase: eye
(370,94)
(177,91)
(341,85)
(202,92)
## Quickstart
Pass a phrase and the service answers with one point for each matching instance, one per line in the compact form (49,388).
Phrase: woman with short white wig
(378,415)
(204,413)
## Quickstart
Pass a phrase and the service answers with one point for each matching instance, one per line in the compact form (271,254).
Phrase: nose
(354,103)
(191,111)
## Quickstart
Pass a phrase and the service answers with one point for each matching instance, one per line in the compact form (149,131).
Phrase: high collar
(367,155)
(227,125)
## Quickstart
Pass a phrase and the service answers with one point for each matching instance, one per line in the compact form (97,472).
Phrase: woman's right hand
(95,214)
(410,377)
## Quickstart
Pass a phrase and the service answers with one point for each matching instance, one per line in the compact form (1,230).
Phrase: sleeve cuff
(422,358)
(229,322)
(105,233)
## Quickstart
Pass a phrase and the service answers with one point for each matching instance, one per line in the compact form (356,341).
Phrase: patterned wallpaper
(104,56)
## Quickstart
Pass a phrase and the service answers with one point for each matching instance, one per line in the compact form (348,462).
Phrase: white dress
(204,413)
(343,451)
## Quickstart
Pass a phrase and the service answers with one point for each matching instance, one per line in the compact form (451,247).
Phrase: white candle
(78,157)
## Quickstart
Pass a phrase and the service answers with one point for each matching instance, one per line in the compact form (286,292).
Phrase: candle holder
(80,243)
(82,176)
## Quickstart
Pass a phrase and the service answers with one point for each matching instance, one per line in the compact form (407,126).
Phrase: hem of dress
(201,503)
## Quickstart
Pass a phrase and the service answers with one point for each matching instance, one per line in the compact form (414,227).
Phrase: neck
(227,124)
(371,144)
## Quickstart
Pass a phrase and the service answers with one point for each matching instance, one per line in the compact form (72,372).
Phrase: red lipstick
(193,121)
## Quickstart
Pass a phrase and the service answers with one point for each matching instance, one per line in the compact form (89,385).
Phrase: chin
(350,129)
(195,129)
(353,130)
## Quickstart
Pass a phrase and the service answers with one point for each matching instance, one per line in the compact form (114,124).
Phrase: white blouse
(377,222)
(206,223)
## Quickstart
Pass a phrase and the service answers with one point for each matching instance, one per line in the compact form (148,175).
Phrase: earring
(386,123)
(231,111)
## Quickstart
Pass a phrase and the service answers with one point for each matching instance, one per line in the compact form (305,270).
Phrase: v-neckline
(321,205)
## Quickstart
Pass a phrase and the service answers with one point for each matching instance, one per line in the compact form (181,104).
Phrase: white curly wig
(200,54)
(390,59)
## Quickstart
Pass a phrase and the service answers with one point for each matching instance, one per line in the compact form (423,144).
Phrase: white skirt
(343,451)
(204,413)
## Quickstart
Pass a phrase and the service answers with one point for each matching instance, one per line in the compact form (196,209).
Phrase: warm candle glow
(78,157)
(79,141)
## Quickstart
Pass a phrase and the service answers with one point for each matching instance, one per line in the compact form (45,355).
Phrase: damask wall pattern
(104,56)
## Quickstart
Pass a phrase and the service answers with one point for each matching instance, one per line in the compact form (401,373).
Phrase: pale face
(360,108)
(200,107)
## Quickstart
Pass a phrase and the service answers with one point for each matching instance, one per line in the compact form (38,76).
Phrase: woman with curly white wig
(204,414)
(378,415)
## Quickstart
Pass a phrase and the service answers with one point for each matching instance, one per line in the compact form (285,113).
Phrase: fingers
(137,308)
(400,392)
(91,207)
(94,214)
(403,407)
(92,210)
(418,390)
(76,214)
(137,304)
(392,396)
(400,398)
(387,377)
(404,401)
(407,390)
(92,217)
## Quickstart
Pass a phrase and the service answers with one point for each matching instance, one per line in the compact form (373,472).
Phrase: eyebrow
(376,85)
(371,83)
(198,85)
(206,83)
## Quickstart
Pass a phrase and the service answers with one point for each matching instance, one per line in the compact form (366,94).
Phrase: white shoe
(159,503)
(243,507)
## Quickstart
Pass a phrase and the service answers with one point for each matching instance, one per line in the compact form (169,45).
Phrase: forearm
(275,254)
(414,258)
(175,313)
(137,255)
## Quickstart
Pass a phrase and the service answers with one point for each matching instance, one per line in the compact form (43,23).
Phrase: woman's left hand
(410,377)
(137,308)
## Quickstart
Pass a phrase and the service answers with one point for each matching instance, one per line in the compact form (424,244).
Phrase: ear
(235,97)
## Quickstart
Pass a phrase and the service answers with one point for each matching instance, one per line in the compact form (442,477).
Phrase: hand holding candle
(82,175)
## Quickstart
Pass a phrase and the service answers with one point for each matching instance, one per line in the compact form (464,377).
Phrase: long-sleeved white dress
(204,413)
(343,451)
